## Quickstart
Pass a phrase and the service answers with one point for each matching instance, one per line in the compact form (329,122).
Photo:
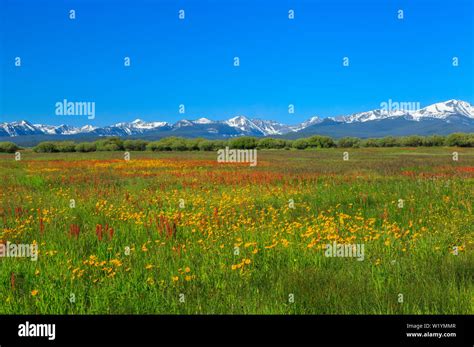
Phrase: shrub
(66,146)
(320,142)
(206,145)
(165,144)
(347,142)
(389,141)
(8,147)
(152,146)
(244,142)
(370,143)
(86,147)
(412,141)
(300,144)
(268,143)
(109,144)
(434,140)
(179,145)
(45,147)
(135,145)
(220,144)
(460,140)
(193,144)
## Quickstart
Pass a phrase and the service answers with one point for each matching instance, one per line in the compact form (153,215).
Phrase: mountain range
(441,118)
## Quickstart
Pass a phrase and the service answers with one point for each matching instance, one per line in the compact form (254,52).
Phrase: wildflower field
(180,233)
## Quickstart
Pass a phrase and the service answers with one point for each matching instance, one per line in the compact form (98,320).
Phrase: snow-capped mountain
(138,126)
(443,110)
(243,124)
(183,123)
(60,129)
(270,127)
(18,129)
(306,123)
(203,121)
(442,117)
(87,129)
(190,123)
(369,116)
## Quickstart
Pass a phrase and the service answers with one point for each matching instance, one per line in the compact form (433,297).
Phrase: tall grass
(237,245)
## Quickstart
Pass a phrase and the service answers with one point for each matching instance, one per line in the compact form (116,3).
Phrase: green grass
(408,250)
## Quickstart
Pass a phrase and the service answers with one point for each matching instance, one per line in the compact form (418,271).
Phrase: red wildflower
(74,230)
(98,231)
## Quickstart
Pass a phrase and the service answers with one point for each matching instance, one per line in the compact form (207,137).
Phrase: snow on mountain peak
(306,123)
(238,120)
(442,110)
(148,125)
(270,127)
(139,124)
(368,116)
(203,121)
(255,127)
(183,123)
(244,124)
(88,128)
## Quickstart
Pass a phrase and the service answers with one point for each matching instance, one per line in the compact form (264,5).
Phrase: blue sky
(190,61)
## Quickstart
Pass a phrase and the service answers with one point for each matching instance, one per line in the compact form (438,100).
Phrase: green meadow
(180,233)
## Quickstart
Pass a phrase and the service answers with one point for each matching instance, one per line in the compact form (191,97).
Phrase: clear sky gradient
(190,61)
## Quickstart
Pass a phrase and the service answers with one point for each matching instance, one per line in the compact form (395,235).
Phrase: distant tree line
(199,144)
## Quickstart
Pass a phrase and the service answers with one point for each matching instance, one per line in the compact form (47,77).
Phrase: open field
(181,233)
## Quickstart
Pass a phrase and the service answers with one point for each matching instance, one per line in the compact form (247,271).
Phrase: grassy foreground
(181,233)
